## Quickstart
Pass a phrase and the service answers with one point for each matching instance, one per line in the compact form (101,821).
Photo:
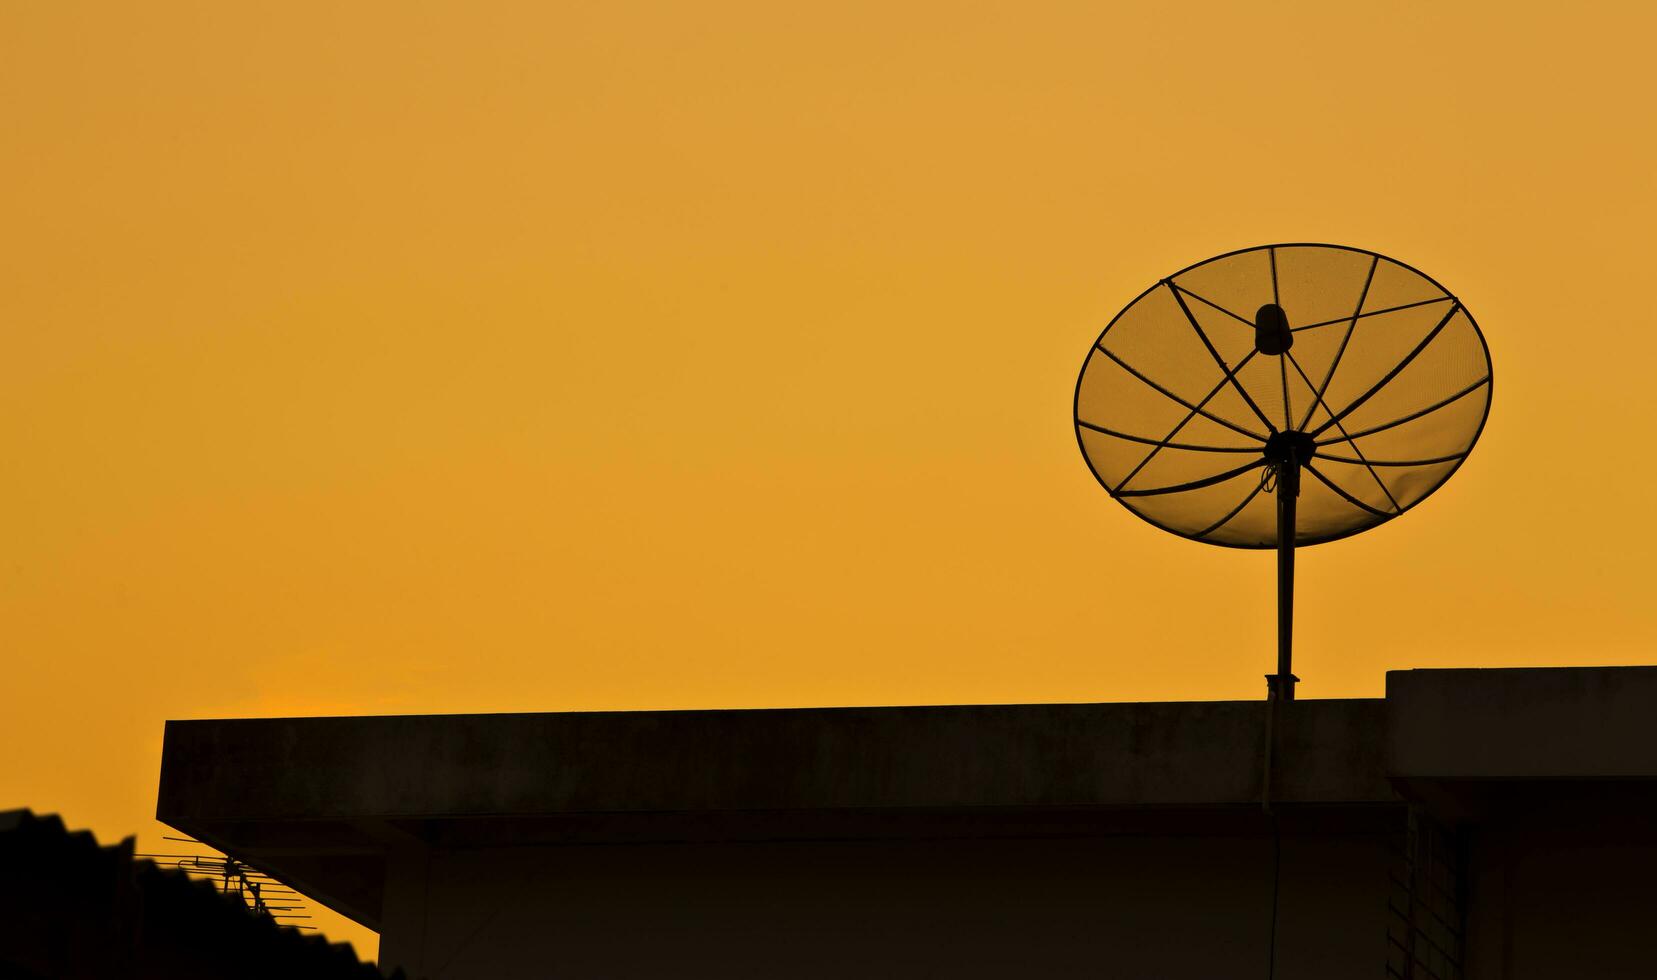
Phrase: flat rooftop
(319,802)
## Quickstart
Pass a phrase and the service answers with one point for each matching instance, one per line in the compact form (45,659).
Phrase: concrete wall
(1129,906)
(457,766)
(1550,776)
(1533,723)
(1563,899)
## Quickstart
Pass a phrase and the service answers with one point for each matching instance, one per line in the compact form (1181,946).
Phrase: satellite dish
(1280,396)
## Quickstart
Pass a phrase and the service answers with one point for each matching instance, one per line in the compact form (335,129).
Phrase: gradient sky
(414,357)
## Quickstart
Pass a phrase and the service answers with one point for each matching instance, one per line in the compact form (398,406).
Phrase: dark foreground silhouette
(71,909)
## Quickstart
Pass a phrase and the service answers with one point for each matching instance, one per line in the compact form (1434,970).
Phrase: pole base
(1281,687)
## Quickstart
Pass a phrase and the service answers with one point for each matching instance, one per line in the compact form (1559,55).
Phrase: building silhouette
(71,909)
(1475,824)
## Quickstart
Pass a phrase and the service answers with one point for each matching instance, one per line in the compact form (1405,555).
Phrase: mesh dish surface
(1387,373)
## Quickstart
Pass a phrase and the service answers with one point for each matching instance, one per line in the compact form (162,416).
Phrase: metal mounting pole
(1281,685)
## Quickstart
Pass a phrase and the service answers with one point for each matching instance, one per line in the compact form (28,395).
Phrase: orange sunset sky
(401,357)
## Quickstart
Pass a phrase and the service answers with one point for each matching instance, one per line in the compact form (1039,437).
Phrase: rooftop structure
(1472,823)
